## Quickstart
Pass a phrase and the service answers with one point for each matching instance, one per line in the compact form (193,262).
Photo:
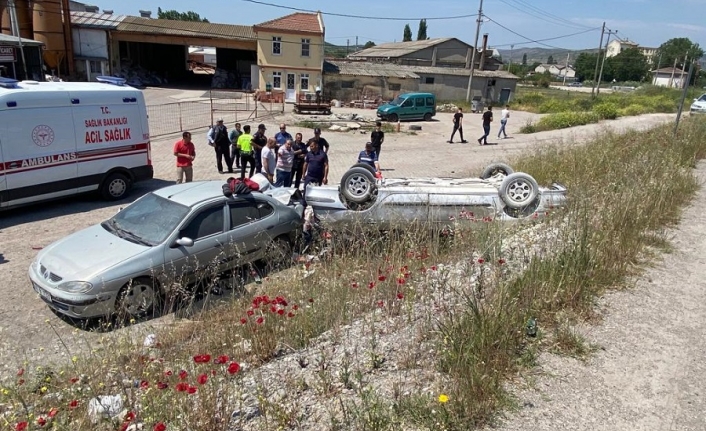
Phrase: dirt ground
(26,323)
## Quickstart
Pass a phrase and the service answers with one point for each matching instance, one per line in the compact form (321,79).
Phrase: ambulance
(64,138)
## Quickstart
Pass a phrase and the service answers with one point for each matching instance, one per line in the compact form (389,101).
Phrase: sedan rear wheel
(518,190)
(278,255)
(358,185)
(138,298)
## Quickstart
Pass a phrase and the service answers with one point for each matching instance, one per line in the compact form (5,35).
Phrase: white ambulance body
(63,138)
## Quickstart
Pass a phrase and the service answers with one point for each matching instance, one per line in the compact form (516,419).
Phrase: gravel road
(24,331)
(649,373)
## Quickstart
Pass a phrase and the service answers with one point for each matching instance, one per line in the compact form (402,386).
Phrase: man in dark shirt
(369,157)
(487,119)
(377,138)
(218,137)
(315,166)
(323,143)
(300,149)
(259,141)
(458,125)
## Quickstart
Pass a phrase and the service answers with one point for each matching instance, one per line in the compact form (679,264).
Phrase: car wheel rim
(519,191)
(117,187)
(138,299)
(358,185)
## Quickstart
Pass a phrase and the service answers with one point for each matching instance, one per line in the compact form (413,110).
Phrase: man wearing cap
(259,141)
(323,143)
(218,139)
(369,157)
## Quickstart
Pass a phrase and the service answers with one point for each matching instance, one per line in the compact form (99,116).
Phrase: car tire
(140,297)
(278,255)
(496,168)
(364,165)
(427,116)
(393,118)
(518,190)
(115,187)
(358,185)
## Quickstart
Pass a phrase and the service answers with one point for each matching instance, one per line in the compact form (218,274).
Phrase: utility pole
(605,55)
(475,50)
(348,44)
(686,58)
(683,97)
(659,64)
(595,73)
(356,43)
(566,66)
(16,30)
(509,67)
(671,78)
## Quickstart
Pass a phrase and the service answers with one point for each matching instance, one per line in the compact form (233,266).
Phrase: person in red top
(185,153)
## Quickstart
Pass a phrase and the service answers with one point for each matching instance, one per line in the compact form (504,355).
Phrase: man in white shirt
(504,115)
(269,161)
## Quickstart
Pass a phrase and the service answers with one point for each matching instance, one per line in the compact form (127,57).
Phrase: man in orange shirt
(185,153)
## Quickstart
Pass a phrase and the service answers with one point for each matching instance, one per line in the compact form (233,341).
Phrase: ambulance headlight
(75,286)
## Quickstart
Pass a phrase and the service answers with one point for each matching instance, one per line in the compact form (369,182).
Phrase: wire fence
(194,116)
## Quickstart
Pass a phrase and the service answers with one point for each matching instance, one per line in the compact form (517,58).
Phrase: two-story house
(290,54)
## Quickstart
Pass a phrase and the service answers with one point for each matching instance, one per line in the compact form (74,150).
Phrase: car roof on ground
(194,193)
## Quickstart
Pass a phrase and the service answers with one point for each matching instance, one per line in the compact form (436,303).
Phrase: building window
(429,80)
(306,44)
(95,66)
(347,84)
(304,81)
(277,80)
(276,45)
(394,87)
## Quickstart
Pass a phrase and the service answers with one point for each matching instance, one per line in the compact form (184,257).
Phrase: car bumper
(698,110)
(77,306)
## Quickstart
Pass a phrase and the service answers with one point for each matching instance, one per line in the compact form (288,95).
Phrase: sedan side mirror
(185,242)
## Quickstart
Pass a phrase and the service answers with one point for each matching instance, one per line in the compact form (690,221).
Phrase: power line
(558,19)
(518,34)
(551,38)
(536,15)
(344,15)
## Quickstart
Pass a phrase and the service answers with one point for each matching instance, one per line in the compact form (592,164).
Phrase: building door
(291,93)
(504,96)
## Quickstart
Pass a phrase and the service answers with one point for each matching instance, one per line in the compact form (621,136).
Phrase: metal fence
(194,116)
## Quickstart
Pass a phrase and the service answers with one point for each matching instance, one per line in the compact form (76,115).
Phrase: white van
(62,138)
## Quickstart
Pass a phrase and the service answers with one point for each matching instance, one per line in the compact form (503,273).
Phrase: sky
(647,22)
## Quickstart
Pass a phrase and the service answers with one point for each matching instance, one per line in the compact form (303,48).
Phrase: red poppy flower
(233,368)
(260,320)
(21,426)
(53,412)
(243,321)
(371,285)
(354,285)
(144,384)
(290,315)
(202,359)
(159,426)
(183,375)
(281,301)
(130,416)
(307,265)
(20,382)
(41,421)
(401,280)
(162,385)
(381,304)
(74,379)
(203,378)
(400,295)
(222,359)
(273,309)
(501,261)
(192,390)
(250,312)
(20,372)
(280,312)
(295,307)
(434,267)
(181,387)
(213,372)
(311,300)
(168,373)
(73,404)
(382,278)
(481,261)
(407,274)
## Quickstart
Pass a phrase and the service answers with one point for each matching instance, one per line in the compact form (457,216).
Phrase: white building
(669,77)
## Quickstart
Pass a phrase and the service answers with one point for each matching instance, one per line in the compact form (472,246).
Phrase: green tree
(524,59)
(629,65)
(550,60)
(407,34)
(422,32)
(585,65)
(369,44)
(179,16)
(677,49)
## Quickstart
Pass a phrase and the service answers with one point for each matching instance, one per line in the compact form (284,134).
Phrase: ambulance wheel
(115,187)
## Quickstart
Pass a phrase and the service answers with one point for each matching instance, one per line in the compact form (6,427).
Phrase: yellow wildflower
(443,398)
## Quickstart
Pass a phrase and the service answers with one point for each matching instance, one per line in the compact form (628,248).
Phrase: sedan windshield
(702,98)
(148,221)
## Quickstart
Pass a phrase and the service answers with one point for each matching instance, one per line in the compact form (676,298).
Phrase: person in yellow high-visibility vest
(246,152)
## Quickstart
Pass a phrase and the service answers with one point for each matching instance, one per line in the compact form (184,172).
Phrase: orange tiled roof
(298,21)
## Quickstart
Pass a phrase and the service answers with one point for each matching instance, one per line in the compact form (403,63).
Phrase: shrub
(529,127)
(563,120)
(554,105)
(606,111)
(633,109)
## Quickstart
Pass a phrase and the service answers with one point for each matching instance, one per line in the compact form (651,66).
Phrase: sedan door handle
(270,227)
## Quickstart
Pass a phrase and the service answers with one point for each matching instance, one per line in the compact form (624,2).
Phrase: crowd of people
(286,161)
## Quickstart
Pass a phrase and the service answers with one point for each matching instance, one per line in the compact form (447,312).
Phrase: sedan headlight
(75,286)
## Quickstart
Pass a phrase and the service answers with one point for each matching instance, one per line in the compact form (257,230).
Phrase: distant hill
(541,54)
(339,51)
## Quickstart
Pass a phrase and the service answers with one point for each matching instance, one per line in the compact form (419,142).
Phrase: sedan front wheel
(138,298)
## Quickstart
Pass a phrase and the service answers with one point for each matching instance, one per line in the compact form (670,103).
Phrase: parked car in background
(409,106)
(699,105)
(575,84)
(172,238)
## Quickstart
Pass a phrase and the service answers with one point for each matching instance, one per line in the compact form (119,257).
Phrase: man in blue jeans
(487,119)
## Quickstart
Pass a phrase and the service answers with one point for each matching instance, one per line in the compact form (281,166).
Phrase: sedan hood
(81,255)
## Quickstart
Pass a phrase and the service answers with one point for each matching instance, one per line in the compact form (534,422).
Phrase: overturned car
(499,194)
